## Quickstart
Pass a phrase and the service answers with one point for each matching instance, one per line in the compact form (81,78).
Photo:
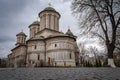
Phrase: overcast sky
(16,15)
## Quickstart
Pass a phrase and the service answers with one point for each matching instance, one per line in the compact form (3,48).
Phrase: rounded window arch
(35,47)
(70,55)
(55,45)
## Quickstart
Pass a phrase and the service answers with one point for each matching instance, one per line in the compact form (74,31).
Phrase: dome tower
(49,18)
(34,28)
(21,38)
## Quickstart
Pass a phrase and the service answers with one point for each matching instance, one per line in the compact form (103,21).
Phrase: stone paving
(60,74)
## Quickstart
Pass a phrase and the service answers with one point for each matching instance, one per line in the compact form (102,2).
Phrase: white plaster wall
(61,52)
(33,57)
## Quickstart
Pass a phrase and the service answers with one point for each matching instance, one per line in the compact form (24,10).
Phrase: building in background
(46,46)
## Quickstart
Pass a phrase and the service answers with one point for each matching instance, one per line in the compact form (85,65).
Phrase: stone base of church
(64,63)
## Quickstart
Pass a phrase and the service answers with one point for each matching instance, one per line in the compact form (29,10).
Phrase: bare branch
(116,13)
(107,39)
(118,48)
(103,14)
(98,35)
(105,25)
(118,22)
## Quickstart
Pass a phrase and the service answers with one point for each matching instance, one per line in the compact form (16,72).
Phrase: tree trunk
(110,49)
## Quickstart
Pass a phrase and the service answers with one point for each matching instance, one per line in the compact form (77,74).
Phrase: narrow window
(55,45)
(70,56)
(35,47)
(38,57)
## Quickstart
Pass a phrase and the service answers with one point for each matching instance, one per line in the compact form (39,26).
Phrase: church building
(46,46)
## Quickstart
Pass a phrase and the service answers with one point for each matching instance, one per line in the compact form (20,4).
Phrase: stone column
(41,23)
(17,39)
(67,55)
(47,21)
(22,39)
(52,22)
(36,29)
(55,23)
(44,22)
(30,33)
(39,28)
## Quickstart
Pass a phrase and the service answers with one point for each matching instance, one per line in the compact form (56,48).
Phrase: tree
(81,54)
(0,61)
(94,51)
(3,62)
(101,17)
(118,40)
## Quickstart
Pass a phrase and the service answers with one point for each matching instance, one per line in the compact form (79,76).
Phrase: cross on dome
(68,27)
(22,30)
(38,19)
(49,4)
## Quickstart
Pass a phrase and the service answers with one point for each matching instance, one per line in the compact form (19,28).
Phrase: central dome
(49,9)
(49,18)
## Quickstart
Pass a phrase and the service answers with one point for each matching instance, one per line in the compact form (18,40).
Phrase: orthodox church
(46,46)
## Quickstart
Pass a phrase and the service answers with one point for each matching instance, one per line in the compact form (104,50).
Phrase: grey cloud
(10,8)
(19,14)
(6,39)
(12,19)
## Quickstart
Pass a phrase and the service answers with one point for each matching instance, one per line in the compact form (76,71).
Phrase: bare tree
(104,17)
(81,54)
(94,51)
(117,45)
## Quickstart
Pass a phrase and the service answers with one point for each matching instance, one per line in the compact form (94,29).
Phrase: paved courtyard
(60,74)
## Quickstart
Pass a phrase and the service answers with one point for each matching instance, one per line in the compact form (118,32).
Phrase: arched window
(38,57)
(55,45)
(70,56)
(35,47)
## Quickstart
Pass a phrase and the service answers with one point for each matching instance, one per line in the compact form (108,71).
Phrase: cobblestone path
(60,74)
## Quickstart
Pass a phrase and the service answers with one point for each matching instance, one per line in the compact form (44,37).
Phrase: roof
(21,33)
(49,37)
(69,33)
(49,30)
(49,8)
(34,23)
(19,46)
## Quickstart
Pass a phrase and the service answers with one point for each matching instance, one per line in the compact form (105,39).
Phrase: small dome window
(35,47)
(55,45)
